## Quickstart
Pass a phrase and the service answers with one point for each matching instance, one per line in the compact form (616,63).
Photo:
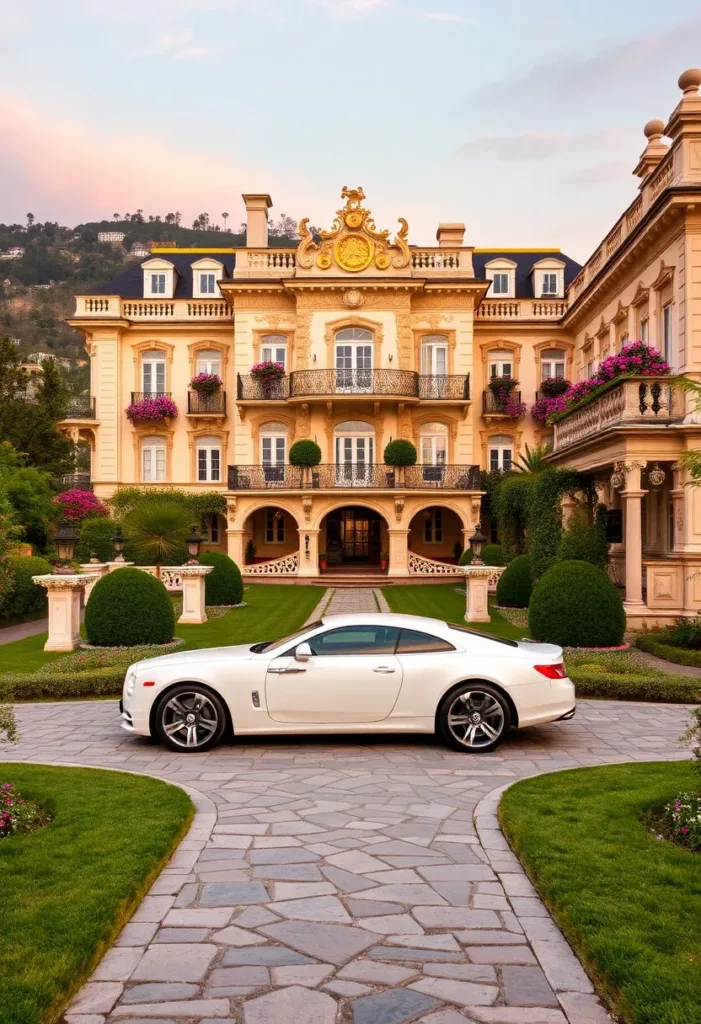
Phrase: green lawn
(271,611)
(630,904)
(443,601)
(68,888)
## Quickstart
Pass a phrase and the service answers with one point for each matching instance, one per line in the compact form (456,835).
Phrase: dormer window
(502,274)
(206,275)
(550,284)
(500,284)
(208,283)
(158,284)
(159,278)
(549,278)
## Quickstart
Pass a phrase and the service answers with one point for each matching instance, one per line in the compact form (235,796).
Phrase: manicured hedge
(515,583)
(25,596)
(223,585)
(101,682)
(129,607)
(591,681)
(574,604)
(95,537)
(654,643)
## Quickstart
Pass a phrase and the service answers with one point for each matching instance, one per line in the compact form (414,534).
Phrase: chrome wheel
(189,720)
(476,719)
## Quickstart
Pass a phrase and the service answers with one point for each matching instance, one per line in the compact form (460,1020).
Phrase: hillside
(37,287)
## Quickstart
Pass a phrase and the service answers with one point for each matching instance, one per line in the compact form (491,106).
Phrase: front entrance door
(353,537)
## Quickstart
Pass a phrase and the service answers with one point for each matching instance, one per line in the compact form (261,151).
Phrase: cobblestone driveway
(344,882)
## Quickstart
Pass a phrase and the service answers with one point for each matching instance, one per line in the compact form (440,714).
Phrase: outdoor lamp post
(65,540)
(118,542)
(476,542)
(193,545)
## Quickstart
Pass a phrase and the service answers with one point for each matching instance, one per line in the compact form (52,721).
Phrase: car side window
(411,641)
(359,639)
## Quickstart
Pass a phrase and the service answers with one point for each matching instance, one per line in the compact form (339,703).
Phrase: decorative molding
(208,346)
(399,508)
(307,503)
(434,321)
(288,565)
(353,299)
(232,505)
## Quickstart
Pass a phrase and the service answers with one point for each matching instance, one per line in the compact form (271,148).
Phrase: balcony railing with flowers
(148,406)
(200,403)
(370,383)
(359,475)
(502,399)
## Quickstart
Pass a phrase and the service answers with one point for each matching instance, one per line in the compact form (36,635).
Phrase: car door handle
(384,669)
(283,671)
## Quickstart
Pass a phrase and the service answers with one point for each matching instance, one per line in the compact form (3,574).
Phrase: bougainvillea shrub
(77,505)
(206,383)
(155,408)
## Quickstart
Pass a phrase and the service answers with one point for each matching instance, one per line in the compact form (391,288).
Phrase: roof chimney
(257,206)
(450,235)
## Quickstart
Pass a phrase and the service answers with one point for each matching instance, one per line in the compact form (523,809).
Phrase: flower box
(206,384)
(156,408)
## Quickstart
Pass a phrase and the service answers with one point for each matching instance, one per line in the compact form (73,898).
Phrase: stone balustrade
(107,307)
(521,309)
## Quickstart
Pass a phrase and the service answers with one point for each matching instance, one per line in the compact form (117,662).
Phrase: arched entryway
(353,536)
(269,532)
(436,532)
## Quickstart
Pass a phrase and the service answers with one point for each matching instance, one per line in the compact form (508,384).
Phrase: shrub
(157,527)
(658,644)
(574,604)
(400,453)
(95,538)
(101,682)
(154,408)
(493,554)
(305,453)
(223,585)
(511,504)
(466,557)
(592,680)
(26,598)
(584,543)
(103,657)
(77,505)
(17,815)
(516,583)
(685,633)
(128,607)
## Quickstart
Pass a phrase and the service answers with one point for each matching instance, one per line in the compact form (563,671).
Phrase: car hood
(549,652)
(240,652)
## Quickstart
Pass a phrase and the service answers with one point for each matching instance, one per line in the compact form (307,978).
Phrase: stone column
(398,552)
(677,495)
(308,552)
(234,545)
(65,593)
(194,611)
(477,593)
(632,497)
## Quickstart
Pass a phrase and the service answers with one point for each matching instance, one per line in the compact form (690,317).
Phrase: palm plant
(157,526)
(533,461)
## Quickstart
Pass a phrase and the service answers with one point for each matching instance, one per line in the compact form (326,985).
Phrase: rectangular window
(153,465)
(274,527)
(499,370)
(550,284)
(158,284)
(433,526)
(644,331)
(499,460)
(207,284)
(500,284)
(213,529)
(274,354)
(153,374)
(209,465)
(667,332)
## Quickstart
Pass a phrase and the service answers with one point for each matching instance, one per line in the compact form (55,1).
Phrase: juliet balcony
(502,406)
(79,407)
(353,384)
(633,403)
(200,404)
(361,475)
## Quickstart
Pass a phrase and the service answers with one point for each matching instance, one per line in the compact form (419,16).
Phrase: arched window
(353,359)
(434,444)
(354,446)
(153,460)
(209,459)
(273,349)
(208,362)
(153,372)
(434,355)
(273,444)
(552,363)
(501,451)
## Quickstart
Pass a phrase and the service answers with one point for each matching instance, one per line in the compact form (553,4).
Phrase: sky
(521,118)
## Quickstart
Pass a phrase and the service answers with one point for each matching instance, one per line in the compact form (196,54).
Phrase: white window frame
(555,360)
(433,525)
(153,462)
(644,329)
(273,349)
(434,355)
(203,269)
(666,332)
(156,361)
(161,272)
(542,272)
(209,361)
(273,445)
(207,282)
(158,282)
(500,363)
(501,265)
(209,460)
(436,441)
(549,284)
(500,452)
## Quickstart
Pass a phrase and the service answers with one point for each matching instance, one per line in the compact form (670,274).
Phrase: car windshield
(273,645)
(484,636)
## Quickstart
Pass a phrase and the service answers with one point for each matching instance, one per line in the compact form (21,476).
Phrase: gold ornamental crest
(353,244)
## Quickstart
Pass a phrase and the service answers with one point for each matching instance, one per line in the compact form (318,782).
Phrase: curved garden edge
(199,832)
(560,964)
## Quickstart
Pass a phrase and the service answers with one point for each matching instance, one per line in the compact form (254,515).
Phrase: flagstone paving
(338,881)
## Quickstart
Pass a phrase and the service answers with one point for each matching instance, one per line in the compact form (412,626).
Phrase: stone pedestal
(193,612)
(65,593)
(308,553)
(477,590)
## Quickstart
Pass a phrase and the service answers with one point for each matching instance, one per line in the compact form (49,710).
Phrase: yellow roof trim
(497,249)
(162,250)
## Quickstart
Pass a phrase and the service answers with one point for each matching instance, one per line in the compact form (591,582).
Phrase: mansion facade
(378,339)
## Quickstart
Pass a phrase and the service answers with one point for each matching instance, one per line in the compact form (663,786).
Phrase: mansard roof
(130,283)
(525,260)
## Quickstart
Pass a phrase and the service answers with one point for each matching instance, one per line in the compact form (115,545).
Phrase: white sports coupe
(352,674)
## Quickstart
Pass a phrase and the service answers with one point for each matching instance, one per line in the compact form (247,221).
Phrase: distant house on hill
(15,252)
(111,237)
(35,360)
(140,249)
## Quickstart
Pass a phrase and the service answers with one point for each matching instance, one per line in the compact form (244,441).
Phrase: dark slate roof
(524,264)
(130,283)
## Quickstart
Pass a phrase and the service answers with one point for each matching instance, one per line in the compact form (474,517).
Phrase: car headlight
(130,684)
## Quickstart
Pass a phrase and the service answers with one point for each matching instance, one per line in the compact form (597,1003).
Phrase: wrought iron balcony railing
(496,405)
(200,404)
(140,396)
(80,407)
(358,475)
(320,383)
(70,480)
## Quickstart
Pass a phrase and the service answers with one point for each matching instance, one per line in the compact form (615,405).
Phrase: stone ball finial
(689,81)
(654,129)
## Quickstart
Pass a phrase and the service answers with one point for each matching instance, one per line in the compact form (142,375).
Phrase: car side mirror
(303,652)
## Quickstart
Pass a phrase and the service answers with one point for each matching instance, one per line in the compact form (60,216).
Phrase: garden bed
(628,903)
(654,643)
(67,889)
(620,675)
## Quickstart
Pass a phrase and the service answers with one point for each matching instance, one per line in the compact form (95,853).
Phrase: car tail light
(557,671)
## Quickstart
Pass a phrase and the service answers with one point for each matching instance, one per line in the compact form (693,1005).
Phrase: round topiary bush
(493,554)
(574,604)
(25,596)
(516,583)
(305,453)
(223,585)
(465,557)
(400,453)
(128,607)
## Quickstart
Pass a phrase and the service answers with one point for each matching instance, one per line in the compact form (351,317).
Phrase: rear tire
(473,718)
(190,718)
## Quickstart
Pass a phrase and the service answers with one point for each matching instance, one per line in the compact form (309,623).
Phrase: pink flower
(77,505)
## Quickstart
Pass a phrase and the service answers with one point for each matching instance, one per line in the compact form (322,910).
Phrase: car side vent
(255,697)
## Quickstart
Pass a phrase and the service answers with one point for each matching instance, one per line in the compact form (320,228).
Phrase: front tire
(473,718)
(190,718)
